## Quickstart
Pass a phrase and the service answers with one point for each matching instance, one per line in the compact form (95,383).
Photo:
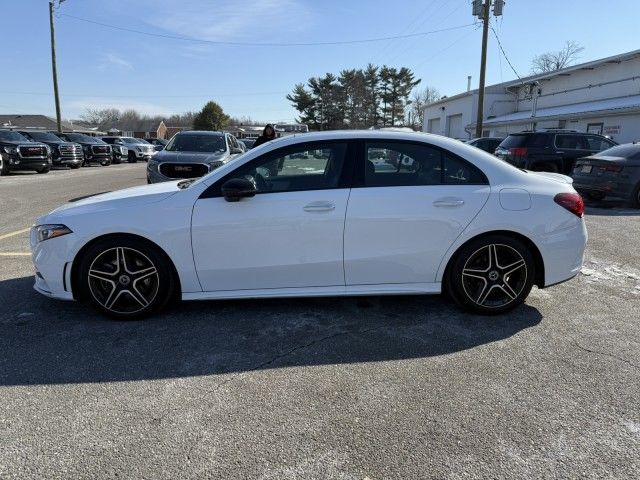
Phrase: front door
(413,201)
(289,235)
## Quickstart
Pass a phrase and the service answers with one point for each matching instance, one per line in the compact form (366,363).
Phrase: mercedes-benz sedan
(324,214)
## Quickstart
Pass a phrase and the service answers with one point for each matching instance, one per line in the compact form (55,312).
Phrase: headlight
(11,150)
(214,165)
(139,149)
(123,150)
(152,164)
(45,232)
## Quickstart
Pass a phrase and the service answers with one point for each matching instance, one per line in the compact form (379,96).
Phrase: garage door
(434,126)
(454,126)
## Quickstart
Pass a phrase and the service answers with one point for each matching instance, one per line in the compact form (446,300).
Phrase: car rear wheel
(131,157)
(492,275)
(126,278)
(635,197)
(4,168)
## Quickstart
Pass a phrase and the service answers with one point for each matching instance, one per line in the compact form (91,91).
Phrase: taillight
(612,168)
(572,202)
(518,151)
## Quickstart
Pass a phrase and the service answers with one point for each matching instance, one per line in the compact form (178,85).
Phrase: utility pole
(482,11)
(54,69)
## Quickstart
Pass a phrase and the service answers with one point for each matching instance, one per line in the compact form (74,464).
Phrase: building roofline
(541,76)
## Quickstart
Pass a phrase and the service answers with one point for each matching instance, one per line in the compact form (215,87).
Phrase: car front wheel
(492,275)
(126,278)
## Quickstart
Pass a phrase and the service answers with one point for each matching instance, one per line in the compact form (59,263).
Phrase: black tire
(74,166)
(131,157)
(120,290)
(635,197)
(43,170)
(4,167)
(105,163)
(116,161)
(486,286)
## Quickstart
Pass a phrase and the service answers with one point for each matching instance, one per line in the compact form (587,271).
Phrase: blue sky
(103,67)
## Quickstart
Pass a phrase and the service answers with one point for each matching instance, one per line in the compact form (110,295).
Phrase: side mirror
(236,188)
(235,151)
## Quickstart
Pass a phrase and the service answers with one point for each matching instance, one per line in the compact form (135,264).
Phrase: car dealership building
(602,96)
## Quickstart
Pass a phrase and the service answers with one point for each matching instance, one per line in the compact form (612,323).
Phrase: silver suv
(192,154)
(137,148)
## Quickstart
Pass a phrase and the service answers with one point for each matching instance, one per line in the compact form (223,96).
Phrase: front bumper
(93,158)
(53,269)
(68,160)
(16,162)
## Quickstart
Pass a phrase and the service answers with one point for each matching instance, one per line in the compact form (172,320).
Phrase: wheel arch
(535,251)
(75,265)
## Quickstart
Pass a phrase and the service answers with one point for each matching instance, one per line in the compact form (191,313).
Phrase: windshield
(133,141)
(629,151)
(196,143)
(81,137)
(44,137)
(11,136)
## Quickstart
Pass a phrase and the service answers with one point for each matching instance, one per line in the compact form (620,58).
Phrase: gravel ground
(353,388)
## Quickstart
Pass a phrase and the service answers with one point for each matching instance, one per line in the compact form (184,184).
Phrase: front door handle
(320,206)
(449,202)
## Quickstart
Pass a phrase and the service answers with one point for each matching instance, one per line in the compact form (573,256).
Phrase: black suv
(62,153)
(550,150)
(95,150)
(19,153)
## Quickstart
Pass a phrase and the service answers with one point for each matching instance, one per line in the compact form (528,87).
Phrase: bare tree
(419,99)
(96,116)
(552,61)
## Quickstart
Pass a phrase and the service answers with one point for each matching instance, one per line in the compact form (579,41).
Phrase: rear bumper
(610,188)
(563,252)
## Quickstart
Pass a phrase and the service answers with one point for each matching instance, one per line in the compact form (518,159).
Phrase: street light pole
(54,68)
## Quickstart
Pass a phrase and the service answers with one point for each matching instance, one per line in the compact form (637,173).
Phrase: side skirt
(334,291)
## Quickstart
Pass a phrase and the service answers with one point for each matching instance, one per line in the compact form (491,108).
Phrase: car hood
(118,199)
(187,157)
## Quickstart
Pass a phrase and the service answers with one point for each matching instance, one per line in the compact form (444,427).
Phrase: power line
(503,52)
(222,95)
(265,44)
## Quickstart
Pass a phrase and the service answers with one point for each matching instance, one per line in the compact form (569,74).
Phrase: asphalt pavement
(351,388)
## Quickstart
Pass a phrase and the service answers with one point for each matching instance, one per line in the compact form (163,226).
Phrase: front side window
(397,164)
(315,166)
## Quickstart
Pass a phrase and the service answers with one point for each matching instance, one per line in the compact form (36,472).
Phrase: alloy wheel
(494,275)
(123,280)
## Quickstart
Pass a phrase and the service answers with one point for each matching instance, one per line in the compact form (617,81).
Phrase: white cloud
(112,60)
(228,21)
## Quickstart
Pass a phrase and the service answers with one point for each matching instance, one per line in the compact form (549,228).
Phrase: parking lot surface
(350,388)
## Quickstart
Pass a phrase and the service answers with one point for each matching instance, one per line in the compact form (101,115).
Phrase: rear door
(409,203)
(571,147)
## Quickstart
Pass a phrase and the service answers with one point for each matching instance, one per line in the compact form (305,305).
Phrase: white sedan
(314,215)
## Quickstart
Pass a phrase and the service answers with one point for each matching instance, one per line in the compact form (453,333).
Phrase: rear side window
(597,144)
(397,164)
(572,142)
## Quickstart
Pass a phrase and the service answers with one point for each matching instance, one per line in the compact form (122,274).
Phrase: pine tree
(211,117)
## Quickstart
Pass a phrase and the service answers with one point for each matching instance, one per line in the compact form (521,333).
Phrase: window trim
(345,179)
(359,174)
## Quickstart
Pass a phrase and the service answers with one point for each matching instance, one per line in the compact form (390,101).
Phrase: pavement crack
(605,354)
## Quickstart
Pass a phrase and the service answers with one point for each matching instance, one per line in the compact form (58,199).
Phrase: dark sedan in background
(614,172)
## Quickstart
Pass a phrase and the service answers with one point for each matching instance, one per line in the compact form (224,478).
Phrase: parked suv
(192,154)
(120,152)
(62,153)
(17,152)
(95,150)
(158,143)
(551,150)
(138,148)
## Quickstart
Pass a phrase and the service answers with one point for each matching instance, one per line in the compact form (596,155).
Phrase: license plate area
(586,169)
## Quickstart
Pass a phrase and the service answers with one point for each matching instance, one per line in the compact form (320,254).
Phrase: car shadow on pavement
(44,341)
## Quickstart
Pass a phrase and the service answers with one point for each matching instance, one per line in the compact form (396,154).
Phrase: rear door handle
(453,202)
(320,206)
